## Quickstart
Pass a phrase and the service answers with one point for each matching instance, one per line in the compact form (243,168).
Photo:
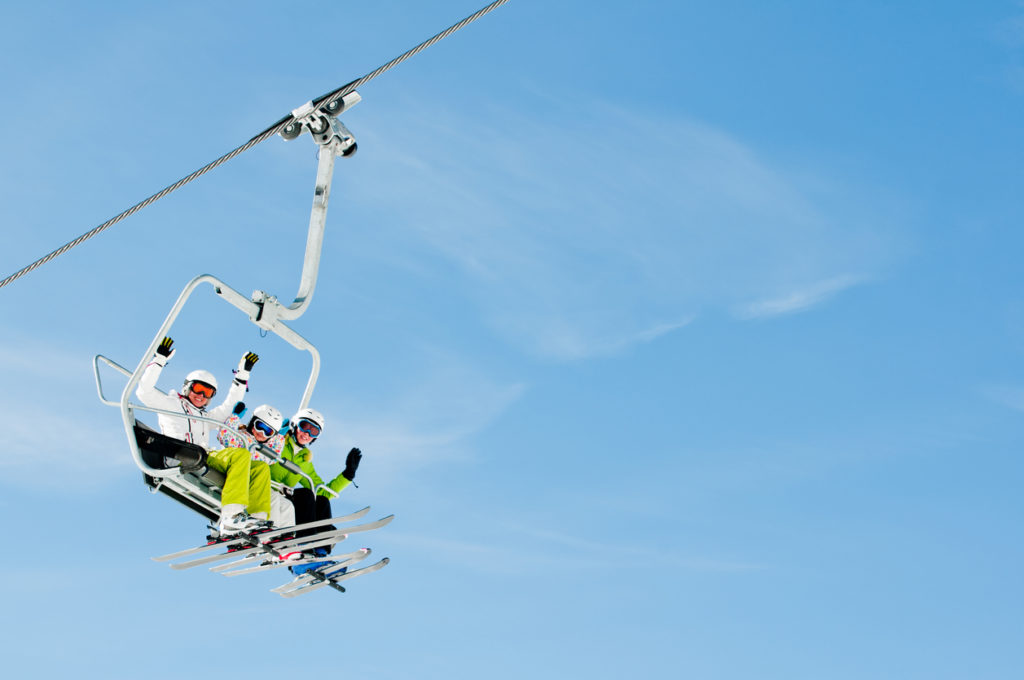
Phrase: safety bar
(264,451)
(270,453)
(154,472)
(324,487)
(99,381)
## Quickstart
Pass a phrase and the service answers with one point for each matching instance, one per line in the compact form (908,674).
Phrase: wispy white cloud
(561,339)
(432,419)
(797,300)
(59,447)
(52,435)
(55,423)
(1009,34)
(1006,395)
(36,362)
(1010,31)
(581,235)
(525,550)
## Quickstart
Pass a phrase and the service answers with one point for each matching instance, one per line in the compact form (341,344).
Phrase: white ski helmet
(200,376)
(308,414)
(268,414)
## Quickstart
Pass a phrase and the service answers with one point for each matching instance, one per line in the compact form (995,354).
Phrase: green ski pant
(248,480)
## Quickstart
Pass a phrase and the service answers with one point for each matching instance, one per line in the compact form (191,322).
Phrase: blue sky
(683,340)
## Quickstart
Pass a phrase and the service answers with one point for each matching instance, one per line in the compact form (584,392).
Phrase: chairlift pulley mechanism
(323,124)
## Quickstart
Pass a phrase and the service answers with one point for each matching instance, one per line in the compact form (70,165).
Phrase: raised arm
(239,384)
(348,474)
(147,391)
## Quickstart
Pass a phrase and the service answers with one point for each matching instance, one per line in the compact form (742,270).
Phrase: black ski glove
(164,348)
(249,360)
(239,408)
(352,464)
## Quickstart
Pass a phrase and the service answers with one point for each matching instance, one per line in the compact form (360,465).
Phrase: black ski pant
(310,507)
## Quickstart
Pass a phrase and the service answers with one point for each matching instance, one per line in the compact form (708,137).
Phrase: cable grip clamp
(324,125)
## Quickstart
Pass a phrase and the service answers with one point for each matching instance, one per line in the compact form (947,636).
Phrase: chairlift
(190,483)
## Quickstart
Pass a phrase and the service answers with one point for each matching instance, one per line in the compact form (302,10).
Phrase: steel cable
(320,102)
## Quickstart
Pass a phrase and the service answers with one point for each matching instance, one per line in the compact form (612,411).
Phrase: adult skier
(247,482)
(310,504)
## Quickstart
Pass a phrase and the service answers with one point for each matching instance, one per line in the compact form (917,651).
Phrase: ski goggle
(310,428)
(260,426)
(202,389)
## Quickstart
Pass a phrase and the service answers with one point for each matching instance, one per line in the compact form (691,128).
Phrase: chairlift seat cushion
(155,446)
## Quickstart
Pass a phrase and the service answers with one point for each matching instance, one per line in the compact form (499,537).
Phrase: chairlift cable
(321,102)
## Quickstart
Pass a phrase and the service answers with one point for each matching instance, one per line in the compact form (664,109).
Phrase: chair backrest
(197,489)
(155,446)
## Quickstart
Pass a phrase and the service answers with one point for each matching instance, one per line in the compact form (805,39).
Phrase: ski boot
(234,520)
(300,569)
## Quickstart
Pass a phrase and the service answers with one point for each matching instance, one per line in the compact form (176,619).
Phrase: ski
(309,577)
(347,558)
(318,541)
(246,538)
(324,581)
(226,542)
(274,548)
(326,574)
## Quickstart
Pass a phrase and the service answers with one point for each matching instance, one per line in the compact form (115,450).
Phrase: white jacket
(195,431)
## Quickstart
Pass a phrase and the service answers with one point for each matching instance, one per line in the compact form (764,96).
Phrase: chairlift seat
(195,477)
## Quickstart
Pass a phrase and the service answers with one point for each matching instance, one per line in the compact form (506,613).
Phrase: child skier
(262,429)
(303,429)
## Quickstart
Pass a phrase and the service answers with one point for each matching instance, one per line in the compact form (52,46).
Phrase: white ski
(263,537)
(275,548)
(321,581)
(347,558)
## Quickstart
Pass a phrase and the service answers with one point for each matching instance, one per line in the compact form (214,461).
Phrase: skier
(263,429)
(247,483)
(310,505)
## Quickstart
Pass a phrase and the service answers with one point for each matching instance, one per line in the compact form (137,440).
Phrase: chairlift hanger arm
(334,140)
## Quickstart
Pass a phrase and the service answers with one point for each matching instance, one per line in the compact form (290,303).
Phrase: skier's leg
(323,511)
(234,463)
(282,512)
(259,489)
(304,503)
(234,497)
(323,508)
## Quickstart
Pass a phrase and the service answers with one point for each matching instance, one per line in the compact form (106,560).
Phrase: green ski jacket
(304,459)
